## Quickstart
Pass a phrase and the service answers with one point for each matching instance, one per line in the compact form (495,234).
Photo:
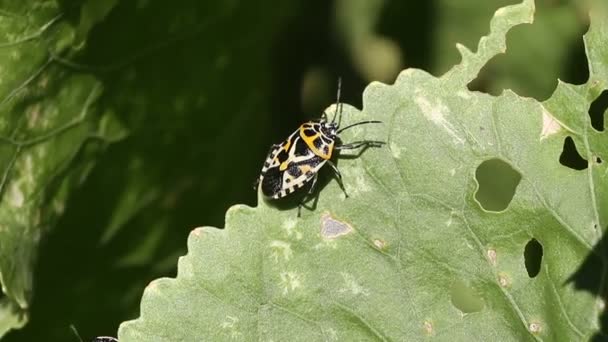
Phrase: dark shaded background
(205,88)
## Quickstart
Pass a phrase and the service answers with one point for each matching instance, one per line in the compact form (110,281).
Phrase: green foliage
(50,129)
(203,88)
(414,252)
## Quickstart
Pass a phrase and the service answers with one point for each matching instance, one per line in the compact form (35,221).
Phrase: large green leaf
(554,37)
(49,132)
(417,250)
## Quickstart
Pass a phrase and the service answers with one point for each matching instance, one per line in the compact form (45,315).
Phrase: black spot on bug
(301,148)
(282,156)
(497,182)
(570,157)
(533,257)
(309,132)
(597,111)
(272,182)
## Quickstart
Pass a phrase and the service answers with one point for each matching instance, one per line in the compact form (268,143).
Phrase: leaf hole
(533,257)
(561,50)
(570,157)
(497,182)
(464,298)
(597,111)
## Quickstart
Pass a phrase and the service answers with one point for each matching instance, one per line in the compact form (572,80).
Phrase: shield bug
(296,161)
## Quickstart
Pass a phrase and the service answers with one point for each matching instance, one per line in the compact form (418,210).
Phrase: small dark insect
(297,160)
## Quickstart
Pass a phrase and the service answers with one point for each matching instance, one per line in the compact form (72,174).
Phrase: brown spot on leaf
(332,228)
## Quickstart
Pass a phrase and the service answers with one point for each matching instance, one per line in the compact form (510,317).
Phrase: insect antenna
(357,124)
(338,111)
(75,332)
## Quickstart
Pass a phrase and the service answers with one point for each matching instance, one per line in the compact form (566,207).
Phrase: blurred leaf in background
(203,88)
(51,129)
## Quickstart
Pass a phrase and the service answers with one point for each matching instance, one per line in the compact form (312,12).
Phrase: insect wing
(291,165)
(270,177)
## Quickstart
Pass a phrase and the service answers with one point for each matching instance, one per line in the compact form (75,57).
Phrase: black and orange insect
(296,161)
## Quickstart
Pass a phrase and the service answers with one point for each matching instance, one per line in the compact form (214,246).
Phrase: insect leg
(357,144)
(308,194)
(338,176)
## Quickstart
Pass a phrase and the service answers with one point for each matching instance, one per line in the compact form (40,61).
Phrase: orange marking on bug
(310,141)
(305,168)
(283,166)
(287,145)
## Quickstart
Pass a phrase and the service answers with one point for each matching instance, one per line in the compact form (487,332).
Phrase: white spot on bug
(352,286)
(437,113)
(280,249)
(428,327)
(550,125)
(395,150)
(15,195)
(290,281)
(230,324)
(491,253)
(198,232)
(535,327)
(290,228)
(332,228)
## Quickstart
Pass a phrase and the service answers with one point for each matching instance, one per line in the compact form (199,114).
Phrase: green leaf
(50,131)
(554,38)
(416,251)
